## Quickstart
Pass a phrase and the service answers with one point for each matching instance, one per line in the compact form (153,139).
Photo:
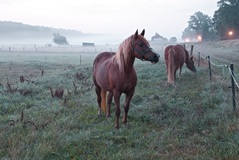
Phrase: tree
(59,39)
(189,34)
(202,25)
(225,19)
(173,40)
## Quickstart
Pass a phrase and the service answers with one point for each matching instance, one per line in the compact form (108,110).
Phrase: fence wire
(223,65)
(230,72)
(234,78)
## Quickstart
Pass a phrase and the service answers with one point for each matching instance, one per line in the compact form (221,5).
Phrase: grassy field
(192,120)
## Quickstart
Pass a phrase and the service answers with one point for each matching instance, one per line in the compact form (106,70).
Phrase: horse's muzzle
(155,58)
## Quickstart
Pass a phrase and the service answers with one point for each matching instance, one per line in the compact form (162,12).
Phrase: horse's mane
(123,54)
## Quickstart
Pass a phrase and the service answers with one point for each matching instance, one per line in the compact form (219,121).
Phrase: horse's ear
(142,33)
(136,34)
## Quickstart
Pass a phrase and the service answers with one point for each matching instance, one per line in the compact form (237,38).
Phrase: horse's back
(102,57)
(178,52)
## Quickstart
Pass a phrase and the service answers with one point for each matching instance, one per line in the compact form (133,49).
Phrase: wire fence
(33,48)
(234,78)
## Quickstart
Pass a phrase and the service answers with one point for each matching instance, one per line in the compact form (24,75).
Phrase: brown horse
(114,73)
(175,56)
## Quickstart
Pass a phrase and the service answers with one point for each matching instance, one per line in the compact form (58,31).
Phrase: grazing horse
(175,56)
(114,73)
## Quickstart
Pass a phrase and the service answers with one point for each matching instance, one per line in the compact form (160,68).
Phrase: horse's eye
(141,44)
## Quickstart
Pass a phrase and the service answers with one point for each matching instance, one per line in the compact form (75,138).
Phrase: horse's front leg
(116,95)
(126,105)
(109,101)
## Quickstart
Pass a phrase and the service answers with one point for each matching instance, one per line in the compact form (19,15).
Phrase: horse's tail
(170,66)
(103,100)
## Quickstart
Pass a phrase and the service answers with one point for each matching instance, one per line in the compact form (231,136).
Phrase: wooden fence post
(233,87)
(209,65)
(80,59)
(199,58)
(191,52)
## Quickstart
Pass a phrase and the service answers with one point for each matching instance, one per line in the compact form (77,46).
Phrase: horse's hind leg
(98,94)
(109,101)
(126,106)
(180,72)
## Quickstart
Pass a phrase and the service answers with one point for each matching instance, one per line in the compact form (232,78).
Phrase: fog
(118,19)
(97,40)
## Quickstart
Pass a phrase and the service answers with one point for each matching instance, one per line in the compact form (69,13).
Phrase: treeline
(16,29)
(222,26)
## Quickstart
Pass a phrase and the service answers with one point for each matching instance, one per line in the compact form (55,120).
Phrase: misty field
(48,110)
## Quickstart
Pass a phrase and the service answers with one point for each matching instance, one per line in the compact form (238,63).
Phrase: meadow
(48,110)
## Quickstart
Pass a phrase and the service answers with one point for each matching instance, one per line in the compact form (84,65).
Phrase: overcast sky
(118,18)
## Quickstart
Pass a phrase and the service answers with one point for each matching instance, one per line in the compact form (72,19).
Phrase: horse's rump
(175,56)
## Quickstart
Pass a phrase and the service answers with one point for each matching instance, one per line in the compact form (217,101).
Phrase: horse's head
(142,49)
(190,64)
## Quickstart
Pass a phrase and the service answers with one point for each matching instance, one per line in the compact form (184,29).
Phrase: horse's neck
(125,59)
(187,56)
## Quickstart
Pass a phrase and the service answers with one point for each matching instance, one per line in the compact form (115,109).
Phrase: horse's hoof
(117,126)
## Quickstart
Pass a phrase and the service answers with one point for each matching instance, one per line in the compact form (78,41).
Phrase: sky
(118,19)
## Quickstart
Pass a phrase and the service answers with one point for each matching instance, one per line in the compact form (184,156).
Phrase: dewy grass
(191,120)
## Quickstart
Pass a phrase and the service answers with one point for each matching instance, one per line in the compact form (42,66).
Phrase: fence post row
(231,70)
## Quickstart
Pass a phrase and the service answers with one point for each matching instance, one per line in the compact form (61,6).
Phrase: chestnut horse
(114,73)
(175,56)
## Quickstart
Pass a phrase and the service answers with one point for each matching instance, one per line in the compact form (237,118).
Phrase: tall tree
(225,19)
(202,25)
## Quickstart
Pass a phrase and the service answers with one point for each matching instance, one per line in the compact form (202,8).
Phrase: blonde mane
(123,54)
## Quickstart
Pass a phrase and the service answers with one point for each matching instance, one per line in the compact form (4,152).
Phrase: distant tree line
(158,37)
(10,30)
(224,24)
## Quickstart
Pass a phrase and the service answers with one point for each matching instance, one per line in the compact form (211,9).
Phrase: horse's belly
(103,81)
(127,87)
